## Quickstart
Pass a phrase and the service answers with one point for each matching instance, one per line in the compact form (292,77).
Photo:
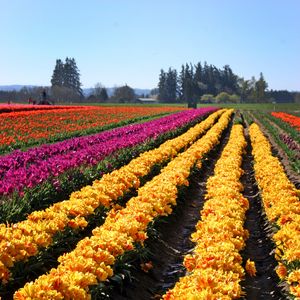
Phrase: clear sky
(128,41)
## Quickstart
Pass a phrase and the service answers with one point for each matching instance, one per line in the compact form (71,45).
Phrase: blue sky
(128,41)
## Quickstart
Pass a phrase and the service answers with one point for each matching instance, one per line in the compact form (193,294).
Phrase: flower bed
(282,208)
(91,261)
(24,239)
(214,268)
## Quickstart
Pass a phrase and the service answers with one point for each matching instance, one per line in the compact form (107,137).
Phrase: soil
(172,242)
(259,245)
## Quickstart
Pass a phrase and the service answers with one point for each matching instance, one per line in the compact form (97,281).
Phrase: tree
(162,92)
(103,94)
(66,79)
(171,86)
(124,94)
(187,85)
(58,74)
(235,98)
(167,86)
(261,86)
(223,97)
(252,85)
(207,98)
(281,96)
(97,89)
(244,88)
(230,80)
(100,93)
(72,76)
(199,85)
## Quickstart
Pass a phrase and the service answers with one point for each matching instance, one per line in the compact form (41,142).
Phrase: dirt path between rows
(259,246)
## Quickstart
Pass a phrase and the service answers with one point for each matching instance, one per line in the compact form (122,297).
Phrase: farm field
(150,202)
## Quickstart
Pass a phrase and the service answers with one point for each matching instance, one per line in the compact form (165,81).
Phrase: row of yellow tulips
(214,268)
(282,207)
(93,257)
(24,239)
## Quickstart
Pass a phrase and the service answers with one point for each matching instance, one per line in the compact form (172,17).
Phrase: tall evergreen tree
(162,85)
(217,81)
(171,86)
(188,83)
(72,76)
(66,77)
(168,86)
(68,74)
(205,77)
(200,86)
(230,80)
(58,74)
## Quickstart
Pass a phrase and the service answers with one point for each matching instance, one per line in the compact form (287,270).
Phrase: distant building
(146,100)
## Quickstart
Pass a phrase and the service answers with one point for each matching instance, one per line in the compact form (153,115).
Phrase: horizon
(49,86)
(128,42)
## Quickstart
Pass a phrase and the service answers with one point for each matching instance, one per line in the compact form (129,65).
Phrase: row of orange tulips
(24,239)
(214,268)
(288,118)
(92,260)
(282,206)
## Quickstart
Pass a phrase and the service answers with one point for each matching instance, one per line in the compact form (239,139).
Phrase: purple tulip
(291,144)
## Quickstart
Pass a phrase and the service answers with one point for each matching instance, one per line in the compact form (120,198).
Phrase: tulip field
(138,202)
(23,128)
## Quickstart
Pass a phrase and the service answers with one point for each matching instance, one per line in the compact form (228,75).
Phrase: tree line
(207,83)
(194,83)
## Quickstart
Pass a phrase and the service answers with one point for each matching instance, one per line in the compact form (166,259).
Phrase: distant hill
(110,91)
(86,91)
(14,87)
